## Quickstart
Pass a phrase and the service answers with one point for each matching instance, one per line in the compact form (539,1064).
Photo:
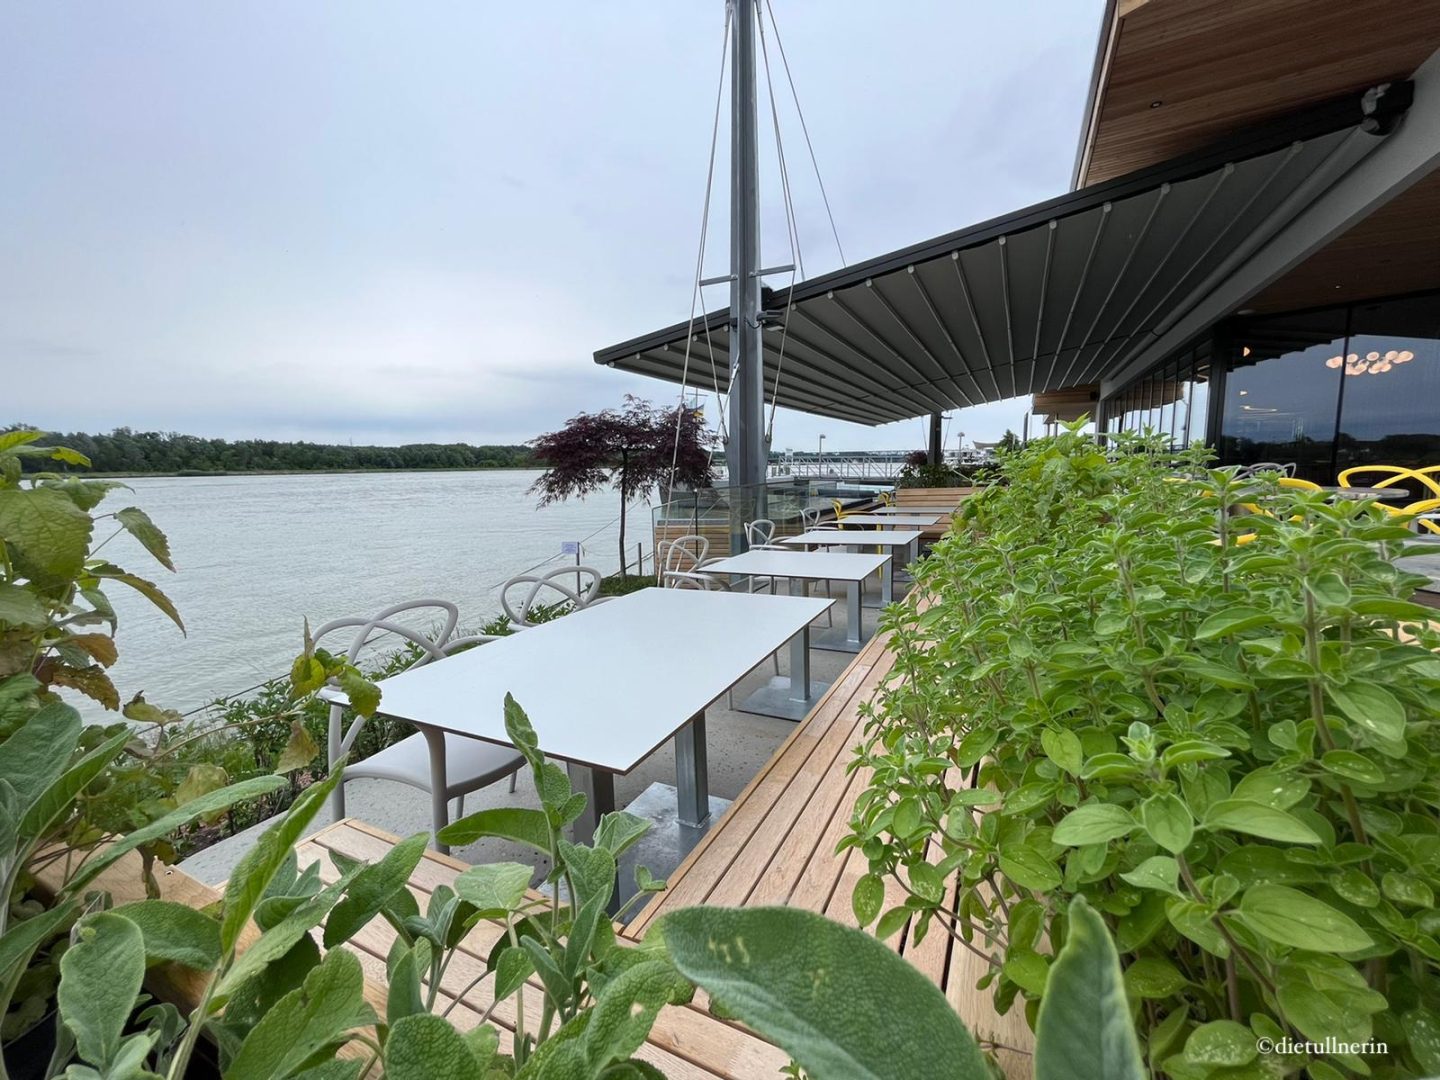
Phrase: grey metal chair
(469,763)
(550,588)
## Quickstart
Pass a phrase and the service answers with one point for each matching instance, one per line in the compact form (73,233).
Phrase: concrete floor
(739,744)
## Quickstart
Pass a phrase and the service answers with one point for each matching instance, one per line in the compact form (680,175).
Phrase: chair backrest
(1381,476)
(432,646)
(685,579)
(810,516)
(839,509)
(760,531)
(683,553)
(1287,469)
(1426,512)
(1297,484)
(576,585)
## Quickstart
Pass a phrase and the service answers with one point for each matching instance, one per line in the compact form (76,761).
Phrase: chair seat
(469,764)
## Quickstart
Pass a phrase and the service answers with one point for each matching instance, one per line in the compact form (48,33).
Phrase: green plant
(919,472)
(1220,730)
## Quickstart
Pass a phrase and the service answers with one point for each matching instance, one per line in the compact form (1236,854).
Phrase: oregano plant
(1208,706)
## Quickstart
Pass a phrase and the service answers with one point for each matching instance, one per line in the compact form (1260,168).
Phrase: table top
(1367,492)
(886,537)
(890,519)
(917,508)
(811,565)
(607,685)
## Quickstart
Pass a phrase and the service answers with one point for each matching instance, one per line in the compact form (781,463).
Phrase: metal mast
(745,453)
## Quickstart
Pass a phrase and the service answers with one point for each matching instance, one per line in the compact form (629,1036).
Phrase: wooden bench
(933,497)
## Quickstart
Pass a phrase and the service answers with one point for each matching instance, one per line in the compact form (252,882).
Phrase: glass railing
(719,513)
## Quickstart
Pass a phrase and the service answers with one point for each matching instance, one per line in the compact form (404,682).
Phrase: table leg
(800,650)
(598,787)
(439,804)
(852,611)
(692,773)
(887,582)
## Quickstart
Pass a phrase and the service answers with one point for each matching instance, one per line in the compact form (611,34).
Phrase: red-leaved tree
(629,449)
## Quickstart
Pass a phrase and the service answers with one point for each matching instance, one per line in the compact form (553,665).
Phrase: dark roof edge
(1105,39)
(1317,120)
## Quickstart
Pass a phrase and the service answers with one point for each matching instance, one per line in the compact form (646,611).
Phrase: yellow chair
(1293,484)
(839,511)
(1422,507)
(1394,476)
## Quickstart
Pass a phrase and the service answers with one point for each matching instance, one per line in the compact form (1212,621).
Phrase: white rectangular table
(901,509)
(897,540)
(799,568)
(605,687)
(890,521)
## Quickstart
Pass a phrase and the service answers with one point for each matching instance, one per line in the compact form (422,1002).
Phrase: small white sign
(570,547)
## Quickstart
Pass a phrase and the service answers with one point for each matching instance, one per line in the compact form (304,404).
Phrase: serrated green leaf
(50,534)
(138,524)
(147,589)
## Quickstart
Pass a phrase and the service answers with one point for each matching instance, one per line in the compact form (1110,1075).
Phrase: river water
(256,555)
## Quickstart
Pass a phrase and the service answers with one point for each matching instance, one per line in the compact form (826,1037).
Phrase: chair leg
(459,811)
(775,656)
(513,777)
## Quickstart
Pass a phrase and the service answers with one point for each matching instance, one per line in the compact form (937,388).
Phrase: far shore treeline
(131,452)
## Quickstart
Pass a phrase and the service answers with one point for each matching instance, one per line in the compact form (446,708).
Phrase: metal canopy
(1056,295)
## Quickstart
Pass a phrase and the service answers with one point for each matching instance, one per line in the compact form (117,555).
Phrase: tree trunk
(624,476)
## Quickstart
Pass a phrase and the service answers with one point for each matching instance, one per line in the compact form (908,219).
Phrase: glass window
(1282,393)
(1390,406)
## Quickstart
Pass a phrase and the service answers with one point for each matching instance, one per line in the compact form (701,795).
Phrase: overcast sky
(398,222)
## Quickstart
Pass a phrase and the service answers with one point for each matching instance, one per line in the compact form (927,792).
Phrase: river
(256,555)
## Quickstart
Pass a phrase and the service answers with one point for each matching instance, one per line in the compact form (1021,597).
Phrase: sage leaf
(305,1021)
(520,824)
(373,886)
(427,1047)
(806,983)
(175,933)
(1083,1030)
(100,977)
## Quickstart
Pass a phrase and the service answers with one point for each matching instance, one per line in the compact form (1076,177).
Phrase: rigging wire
(815,164)
(792,230)
(696,293)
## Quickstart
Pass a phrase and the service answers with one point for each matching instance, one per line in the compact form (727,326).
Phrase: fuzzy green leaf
(305,1021)
(495,889)
(807,984)
(372,887)
(1083,1030)
(175,933)
(100,977)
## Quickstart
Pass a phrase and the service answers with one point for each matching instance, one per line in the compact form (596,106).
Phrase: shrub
(1219,730)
